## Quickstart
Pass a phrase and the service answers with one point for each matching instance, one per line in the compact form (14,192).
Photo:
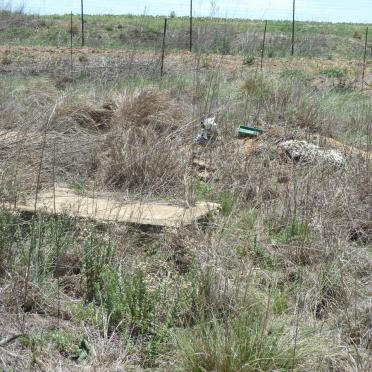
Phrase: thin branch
(9,339)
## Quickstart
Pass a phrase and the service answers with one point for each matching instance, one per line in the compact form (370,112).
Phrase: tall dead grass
(287,240)
(144,149)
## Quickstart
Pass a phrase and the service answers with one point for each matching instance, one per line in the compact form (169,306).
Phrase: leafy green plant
(127,299)
(69,344)
(248,59)
(83,59)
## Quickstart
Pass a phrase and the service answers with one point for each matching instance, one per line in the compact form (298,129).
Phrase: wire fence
(147,34)
(215,35)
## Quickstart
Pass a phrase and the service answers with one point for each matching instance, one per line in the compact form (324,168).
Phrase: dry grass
(71,116)
(281,279)
(148,130)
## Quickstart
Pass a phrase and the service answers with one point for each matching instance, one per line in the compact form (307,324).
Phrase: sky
(307,10)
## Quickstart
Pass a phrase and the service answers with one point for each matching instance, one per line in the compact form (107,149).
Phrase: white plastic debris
(307,152)
(208,131)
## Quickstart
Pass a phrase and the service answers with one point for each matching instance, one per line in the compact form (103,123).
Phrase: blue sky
(312,10)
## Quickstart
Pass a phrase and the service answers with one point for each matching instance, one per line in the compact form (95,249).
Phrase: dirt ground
(40,60)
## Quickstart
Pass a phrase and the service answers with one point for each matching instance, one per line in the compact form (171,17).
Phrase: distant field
(226,36)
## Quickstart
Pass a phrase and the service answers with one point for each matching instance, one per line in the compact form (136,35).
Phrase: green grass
(334,72)
(257,287)
(144,32)
(293,232)
(246,343)
(67,343)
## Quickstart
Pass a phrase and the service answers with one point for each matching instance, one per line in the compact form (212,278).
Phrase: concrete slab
(101,209)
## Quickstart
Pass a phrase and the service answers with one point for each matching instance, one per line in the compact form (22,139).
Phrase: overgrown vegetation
(278,280)
(226,36)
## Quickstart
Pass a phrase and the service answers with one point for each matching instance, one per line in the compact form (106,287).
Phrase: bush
(226,199)
(296,74)
(126,298)
(205,61)
(222,44)
(6,61)
(357,35)
(294,232)
(245,343)
(248,59)
(334,72)
(83,59)
(142,145)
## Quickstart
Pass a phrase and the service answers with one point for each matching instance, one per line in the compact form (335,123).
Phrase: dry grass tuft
(67,27)
(71,116)
(140,150)
(152,109)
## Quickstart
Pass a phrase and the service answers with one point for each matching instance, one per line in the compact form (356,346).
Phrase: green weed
(249,219)
(334,72)
(261,255)
(279,302)
(97,257)
(203,190)
(294,73)
(294,232)
(248,59)
(6,60)
(205,61)
(244,343)
(8,236)
(226,200)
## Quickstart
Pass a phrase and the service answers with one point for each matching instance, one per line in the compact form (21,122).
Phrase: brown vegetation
(279,280)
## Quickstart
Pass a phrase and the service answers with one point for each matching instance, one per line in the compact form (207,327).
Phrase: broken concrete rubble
(345,149)
(307,152)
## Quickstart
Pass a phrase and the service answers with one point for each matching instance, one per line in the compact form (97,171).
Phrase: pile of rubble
(306,152)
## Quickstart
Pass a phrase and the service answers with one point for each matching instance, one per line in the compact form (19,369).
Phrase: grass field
(227,36)
(279,279)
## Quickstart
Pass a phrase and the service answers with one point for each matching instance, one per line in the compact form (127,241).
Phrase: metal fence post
(293,26)
(82,24)
(263,45)
(364,58)
(190,25)
(163,48)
